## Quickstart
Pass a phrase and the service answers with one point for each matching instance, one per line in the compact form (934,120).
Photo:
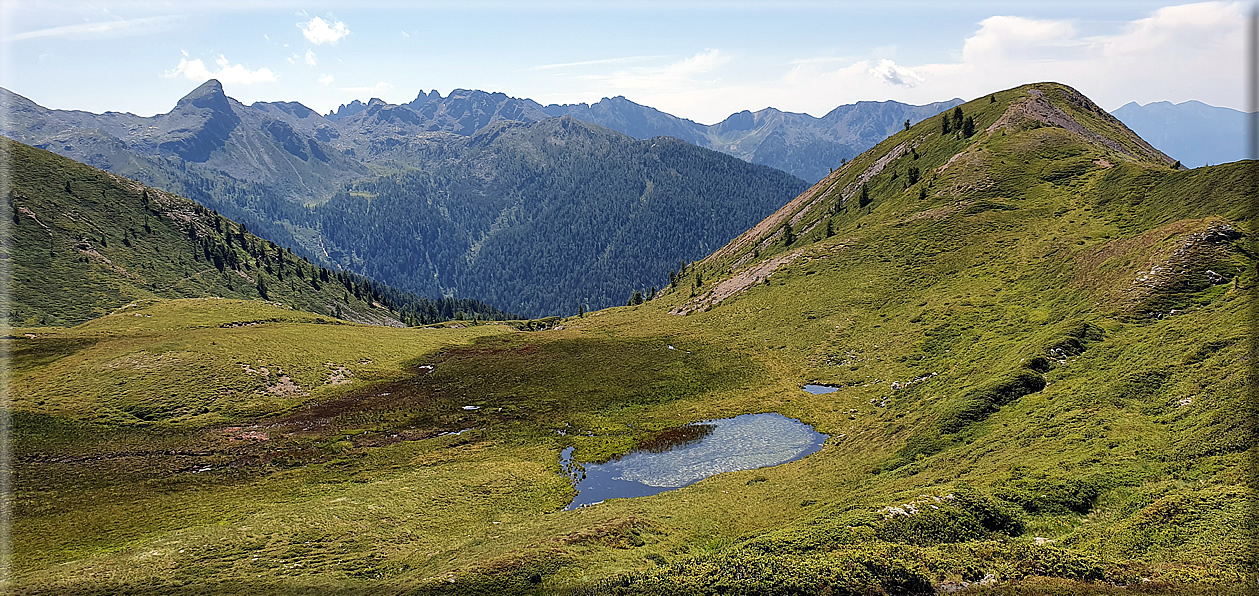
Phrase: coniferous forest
(540,227)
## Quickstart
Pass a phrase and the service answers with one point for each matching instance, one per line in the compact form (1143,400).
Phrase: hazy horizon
(696,60)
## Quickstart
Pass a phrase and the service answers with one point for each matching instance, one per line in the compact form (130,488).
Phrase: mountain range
(800,144)
(1195,133)
(1032,327)
(536,217)
(473,185)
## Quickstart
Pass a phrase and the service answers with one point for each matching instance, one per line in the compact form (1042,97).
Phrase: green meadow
(1041,342)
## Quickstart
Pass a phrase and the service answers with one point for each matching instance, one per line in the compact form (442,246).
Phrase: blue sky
(700,60)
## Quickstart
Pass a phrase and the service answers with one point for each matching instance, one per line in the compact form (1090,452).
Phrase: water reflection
(678,457)
(819,389)
(676,437)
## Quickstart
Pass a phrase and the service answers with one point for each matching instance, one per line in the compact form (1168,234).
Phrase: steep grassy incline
(1038,331)
(1043,308)
(87,242)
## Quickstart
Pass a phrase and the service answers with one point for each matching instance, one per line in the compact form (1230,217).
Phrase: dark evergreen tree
(789,235)
(865,197)
(957,118)
(944,124)
(968,127)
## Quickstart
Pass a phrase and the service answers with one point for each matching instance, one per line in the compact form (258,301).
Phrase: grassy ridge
(1026,404)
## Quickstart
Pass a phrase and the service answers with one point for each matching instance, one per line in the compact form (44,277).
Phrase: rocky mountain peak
(209,95)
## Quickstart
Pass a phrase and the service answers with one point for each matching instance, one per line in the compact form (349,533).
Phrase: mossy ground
(1051,411)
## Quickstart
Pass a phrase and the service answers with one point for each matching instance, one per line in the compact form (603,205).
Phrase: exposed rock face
(735,284)
(200,124)
(283,145)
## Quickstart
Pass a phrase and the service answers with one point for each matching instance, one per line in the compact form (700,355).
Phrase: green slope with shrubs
(86,242)
(1040,340)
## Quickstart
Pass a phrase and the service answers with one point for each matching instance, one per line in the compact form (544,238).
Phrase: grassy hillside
(1040,344)
(87,242)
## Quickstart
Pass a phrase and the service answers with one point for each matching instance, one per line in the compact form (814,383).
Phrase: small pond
(818,389)
(688,454)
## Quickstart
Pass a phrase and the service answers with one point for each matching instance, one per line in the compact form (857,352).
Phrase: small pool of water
(817,389)
(688,454)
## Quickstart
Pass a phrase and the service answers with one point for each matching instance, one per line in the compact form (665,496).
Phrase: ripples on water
(687,454)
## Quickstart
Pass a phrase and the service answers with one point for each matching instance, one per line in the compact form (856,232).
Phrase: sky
(702,60)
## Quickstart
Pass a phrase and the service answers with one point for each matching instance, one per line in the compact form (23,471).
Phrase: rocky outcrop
(200,124)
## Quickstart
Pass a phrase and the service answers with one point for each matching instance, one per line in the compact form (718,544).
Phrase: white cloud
(601,62)
(115,28)
(325,79)
(310,58)
(686,74)
(196,70)
(1004,39)
(319,31)
(1176,53)
(888,71)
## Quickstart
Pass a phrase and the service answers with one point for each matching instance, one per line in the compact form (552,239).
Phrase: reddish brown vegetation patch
(620,532)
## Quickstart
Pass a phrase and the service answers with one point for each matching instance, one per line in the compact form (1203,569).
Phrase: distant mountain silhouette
(1193,132)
